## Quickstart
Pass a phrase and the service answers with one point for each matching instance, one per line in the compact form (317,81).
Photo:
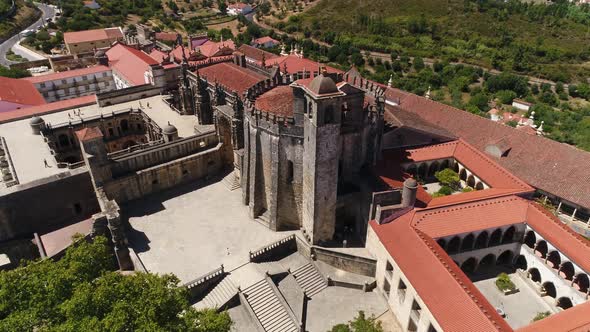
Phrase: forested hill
(550,41)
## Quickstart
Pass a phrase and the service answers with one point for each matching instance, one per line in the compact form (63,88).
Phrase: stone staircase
(218,296)
(264,218)
(269,310)
(310,279)
(231,181)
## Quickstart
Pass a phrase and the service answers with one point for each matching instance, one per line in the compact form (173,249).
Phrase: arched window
(290,171)
(553,259)
(521,263)
(535,274)
(422,169)
(529,239)
(541,249)
(482,240)
(495,238)
(567,270)
(412,170)
(488,261)
(454,244)
(479,186)
(444,164)
(471,181)
(329,116)
(549,288)
(469,265)
(508,235)
(581,282)
(505,258)
(467,242)
(433,169)
(564,302)
(463,174)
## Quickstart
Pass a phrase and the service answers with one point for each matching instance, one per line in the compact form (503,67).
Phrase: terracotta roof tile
(470,217)
(265,39)
(256,53)
(295,64)
(92,35)
(47,108)
(574,319)
(231,76)
(129,62)
(88,133)
(278,101)
(553,167)
(19,91)
(420,258)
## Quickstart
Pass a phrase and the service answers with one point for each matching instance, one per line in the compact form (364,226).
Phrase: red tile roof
(158,55)
(409,239)
(19,91)
(167,36)
(470,217)
(574,319)
(92,35)
(265,39)
(278,101)
(570,243)
(129,62)
(47,108)
(88,133)
(67,74)
(295,64)
(231,76)
(553,167)
(456,304)
(211,48)
(256,54)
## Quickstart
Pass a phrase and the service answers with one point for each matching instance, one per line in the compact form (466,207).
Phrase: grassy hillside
(546,41)
(25,16)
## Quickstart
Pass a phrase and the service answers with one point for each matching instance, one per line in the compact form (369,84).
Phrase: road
(48,11)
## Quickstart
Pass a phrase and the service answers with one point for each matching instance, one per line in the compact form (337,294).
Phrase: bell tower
(322,120)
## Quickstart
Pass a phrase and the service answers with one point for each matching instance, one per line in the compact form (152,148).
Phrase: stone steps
(264,218)
(310,279)
(231,181)
(269,311)
(218,296)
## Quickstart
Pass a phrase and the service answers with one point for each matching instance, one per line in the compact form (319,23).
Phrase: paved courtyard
(194,229)
(520,308)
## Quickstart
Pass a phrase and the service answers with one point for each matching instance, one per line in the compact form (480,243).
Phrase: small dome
(323,85)
(36,120)
(169,129)
(410,183)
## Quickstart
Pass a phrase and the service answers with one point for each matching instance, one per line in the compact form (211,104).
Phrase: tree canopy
(361,323)
(82,292)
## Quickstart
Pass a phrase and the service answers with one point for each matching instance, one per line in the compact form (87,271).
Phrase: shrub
(445,190)
(447,177)
(467,189)
(505,96)
(541,315)
(504,283)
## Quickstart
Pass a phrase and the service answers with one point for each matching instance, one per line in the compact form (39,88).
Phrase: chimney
(409,192)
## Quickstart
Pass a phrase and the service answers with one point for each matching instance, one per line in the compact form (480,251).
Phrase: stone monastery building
(324,155)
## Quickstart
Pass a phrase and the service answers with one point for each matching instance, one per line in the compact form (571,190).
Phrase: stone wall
(164,176)
(346,262)
(127,94)
(45,205)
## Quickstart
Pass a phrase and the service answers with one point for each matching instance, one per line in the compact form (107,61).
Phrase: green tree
(418,63)
(81,292)
(448,177)
(360,324)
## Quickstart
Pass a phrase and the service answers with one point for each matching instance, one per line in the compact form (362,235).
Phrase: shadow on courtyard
(153,204)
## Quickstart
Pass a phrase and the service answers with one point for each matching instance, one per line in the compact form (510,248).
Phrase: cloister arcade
(554,274)
(426,170)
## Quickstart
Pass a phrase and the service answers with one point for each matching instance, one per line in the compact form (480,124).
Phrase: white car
(27,32)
